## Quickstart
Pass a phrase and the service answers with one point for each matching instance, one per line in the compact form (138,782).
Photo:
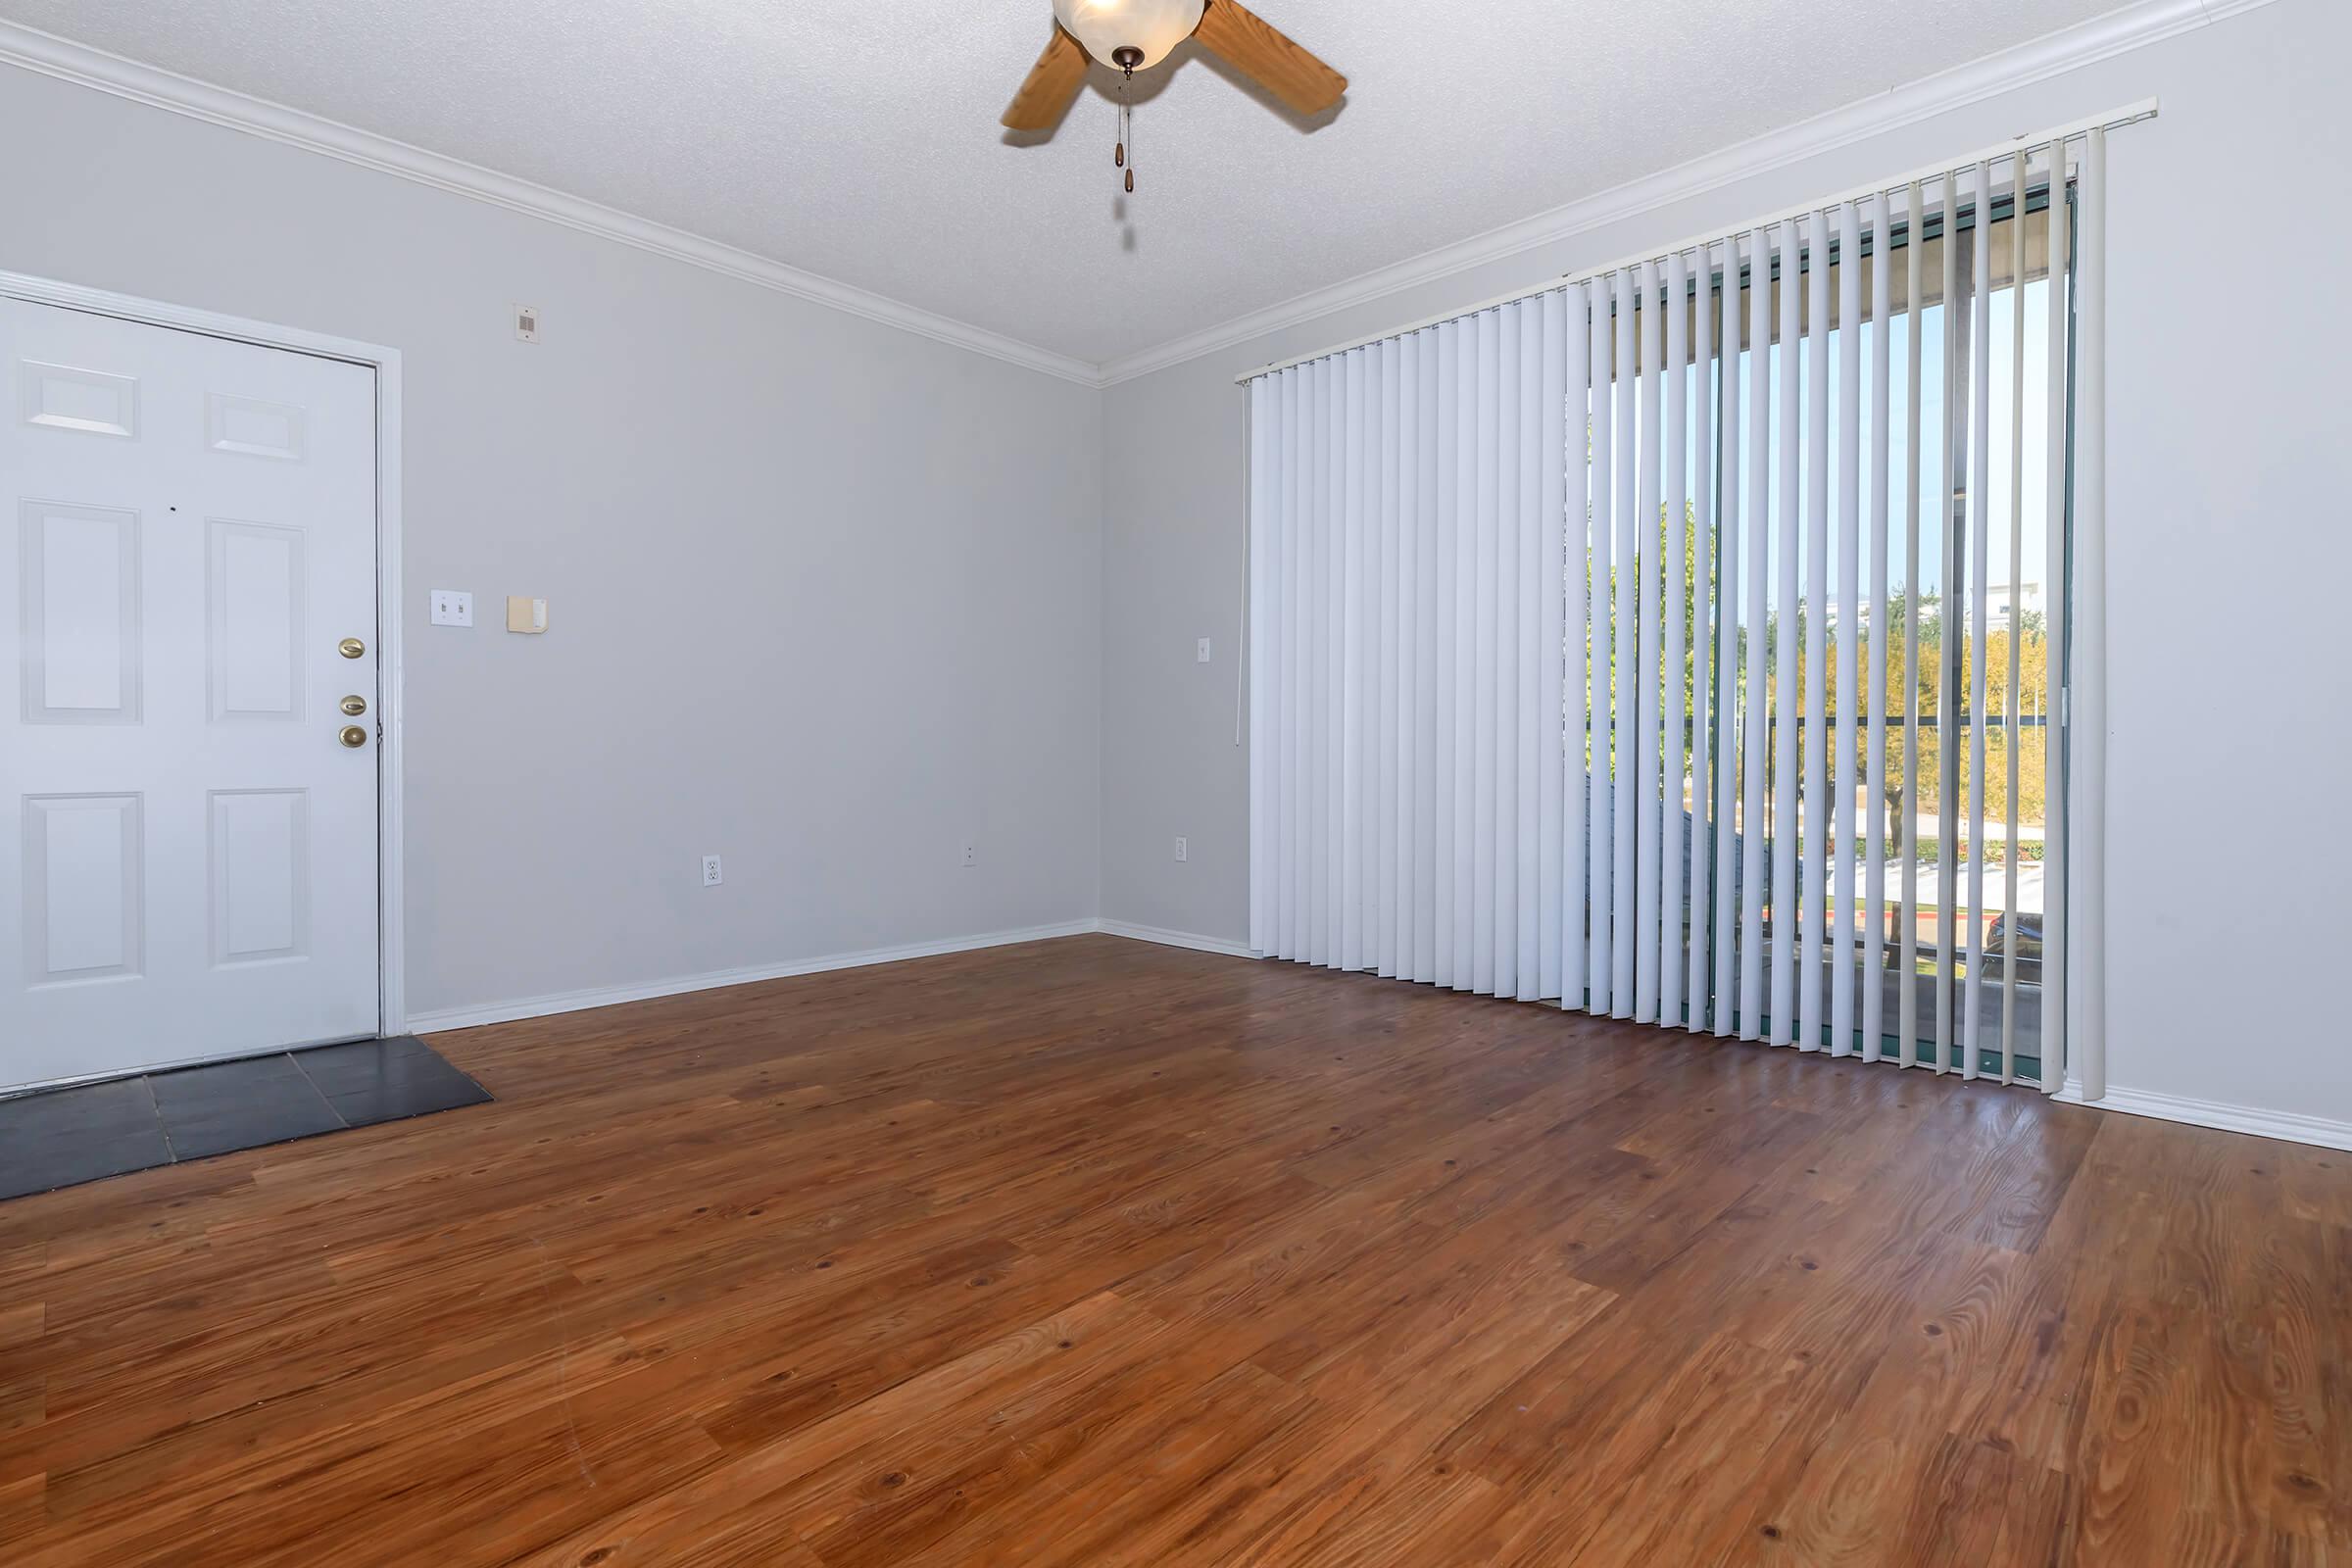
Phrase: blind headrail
(2017,146)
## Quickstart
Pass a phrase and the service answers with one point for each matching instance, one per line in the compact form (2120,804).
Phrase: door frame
(391,988)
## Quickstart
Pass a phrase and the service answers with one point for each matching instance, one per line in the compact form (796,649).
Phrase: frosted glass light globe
(1104,26)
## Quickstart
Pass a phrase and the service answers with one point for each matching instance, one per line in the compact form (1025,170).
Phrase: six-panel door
(189,866)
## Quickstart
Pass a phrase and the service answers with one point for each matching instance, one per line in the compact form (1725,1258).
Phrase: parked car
(2029,947)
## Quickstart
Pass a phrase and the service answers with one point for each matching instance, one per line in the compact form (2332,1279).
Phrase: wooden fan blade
(1052,82)
(1250,45)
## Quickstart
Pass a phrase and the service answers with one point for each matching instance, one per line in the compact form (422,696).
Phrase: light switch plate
(1201,651)
(526,615)
(451,608)
(526,323)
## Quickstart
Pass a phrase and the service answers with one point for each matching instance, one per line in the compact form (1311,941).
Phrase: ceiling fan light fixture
(1120,32)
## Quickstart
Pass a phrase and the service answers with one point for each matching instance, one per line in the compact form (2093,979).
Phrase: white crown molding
(2285,1125)
(2118,33)
(1175,939)
(2101,38)
(62,58)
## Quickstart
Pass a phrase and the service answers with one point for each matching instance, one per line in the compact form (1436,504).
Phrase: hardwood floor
(1092,1252)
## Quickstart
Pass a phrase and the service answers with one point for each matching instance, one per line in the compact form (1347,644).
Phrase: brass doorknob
(351,647)
(355,704)
(353,735)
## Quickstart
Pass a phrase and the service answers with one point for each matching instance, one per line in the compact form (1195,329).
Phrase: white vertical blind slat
(1442,434)
(1700,951)
(1649,617)
(1980,531)
(1380,945)
(1466,842)
(1675,479)
(1847,631)
(1947,730)
(1408,631)
(1296,565)
(1755,823)
(1874,781)
(2086,718)
(1324,819)
(1811,821)
(1356,669)
(2054,599)
(2012,734)
(1264,479)
(1507,632)
(1907,958)
(1727,655)
(1363,672)
(1627,492)
(1428,532)
(1297,741)
(1547,453)
(1273,539)
(1537,674)
(1575,343)
(1600,531)
(1487,927)
(1785,674)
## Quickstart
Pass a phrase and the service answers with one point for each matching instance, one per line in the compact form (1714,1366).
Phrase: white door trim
(391,958)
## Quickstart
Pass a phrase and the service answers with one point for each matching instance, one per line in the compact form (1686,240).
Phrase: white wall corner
(1176,939)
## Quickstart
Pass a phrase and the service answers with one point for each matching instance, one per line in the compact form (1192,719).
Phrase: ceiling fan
(1132,35)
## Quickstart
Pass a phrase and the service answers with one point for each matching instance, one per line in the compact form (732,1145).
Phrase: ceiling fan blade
(1247,43)
(1052,82)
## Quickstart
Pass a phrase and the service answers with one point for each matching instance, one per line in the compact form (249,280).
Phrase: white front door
(188,850)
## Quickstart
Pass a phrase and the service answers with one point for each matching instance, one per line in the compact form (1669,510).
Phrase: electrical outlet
(451,608)
(971,855)
(710,871)
(1201,651)
(1182,849)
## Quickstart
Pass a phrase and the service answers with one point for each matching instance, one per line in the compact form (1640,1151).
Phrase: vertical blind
(1687,642)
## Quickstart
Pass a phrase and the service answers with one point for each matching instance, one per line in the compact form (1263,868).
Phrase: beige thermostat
(526,615)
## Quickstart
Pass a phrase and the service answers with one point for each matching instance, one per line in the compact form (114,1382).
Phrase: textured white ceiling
(860,140)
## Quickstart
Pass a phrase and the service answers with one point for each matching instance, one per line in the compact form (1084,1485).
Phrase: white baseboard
(611,996)
(1175,939)
(2285,1125)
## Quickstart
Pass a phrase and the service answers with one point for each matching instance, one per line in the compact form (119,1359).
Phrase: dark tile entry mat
(65,1136)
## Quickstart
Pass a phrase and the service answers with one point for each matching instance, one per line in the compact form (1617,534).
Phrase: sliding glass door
(1928,661)
(1687,642)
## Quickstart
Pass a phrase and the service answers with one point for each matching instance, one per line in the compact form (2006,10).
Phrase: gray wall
(2230,859)
(822,593)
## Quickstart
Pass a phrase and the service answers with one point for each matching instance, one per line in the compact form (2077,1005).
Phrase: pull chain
(1126,125)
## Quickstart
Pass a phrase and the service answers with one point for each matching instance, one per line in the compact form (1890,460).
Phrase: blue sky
(1932,511)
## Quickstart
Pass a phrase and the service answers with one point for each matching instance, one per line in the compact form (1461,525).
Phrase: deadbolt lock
(353,735)
(355,704)
(351,647)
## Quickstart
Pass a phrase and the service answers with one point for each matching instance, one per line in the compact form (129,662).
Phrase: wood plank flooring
(1091,1252)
